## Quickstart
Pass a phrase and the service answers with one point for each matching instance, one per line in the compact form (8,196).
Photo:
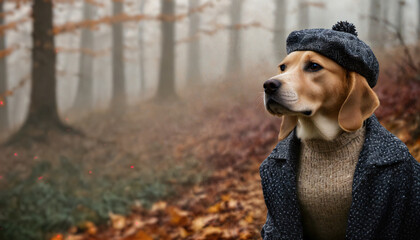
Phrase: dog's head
(311,86)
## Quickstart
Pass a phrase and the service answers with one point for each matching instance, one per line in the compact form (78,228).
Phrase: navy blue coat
(385,192)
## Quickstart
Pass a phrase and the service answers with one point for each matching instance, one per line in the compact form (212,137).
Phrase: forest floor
(186,169)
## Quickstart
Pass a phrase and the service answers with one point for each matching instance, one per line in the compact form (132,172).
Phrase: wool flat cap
(340,44)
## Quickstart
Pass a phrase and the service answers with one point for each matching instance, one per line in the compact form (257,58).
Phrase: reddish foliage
(399,90)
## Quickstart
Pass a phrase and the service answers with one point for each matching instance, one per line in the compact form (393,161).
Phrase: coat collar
(284,150)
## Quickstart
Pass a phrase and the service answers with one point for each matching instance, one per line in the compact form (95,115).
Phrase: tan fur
(360,103)
(338,100)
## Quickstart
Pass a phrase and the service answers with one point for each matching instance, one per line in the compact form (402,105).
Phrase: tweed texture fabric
(345,48)
(385,190)
(324,179)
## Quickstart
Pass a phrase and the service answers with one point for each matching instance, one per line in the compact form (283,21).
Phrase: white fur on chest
(317,127)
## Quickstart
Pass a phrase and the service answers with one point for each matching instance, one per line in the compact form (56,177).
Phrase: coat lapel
(278,178)
(369,193)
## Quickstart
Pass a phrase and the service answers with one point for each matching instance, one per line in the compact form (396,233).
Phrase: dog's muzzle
(270,89)
(276,105)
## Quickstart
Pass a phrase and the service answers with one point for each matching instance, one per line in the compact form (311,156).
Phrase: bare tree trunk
(279,40)
(118,101)
(43,107)
(303,14)
(43,114)
(418,19)
(384,21)
(374,22)
(141,52)
(84,97)
(193,67)
(234,63)
(166,87)
(4,122)
(400,19)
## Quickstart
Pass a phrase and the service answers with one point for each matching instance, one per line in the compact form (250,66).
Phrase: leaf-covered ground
(231,135)
(185,169)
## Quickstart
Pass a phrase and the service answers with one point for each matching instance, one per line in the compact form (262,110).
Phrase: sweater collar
(380,148)
(336,145)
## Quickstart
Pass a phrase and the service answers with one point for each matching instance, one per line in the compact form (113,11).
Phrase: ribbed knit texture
(324,183)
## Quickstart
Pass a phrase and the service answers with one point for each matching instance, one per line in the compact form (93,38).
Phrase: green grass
(67,195)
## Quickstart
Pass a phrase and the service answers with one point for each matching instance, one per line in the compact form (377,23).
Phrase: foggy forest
(144,119)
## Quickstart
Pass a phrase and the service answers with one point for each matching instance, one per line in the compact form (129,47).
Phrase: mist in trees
(84,97)
(234,62)
(130,52)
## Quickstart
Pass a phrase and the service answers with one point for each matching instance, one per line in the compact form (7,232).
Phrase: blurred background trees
(84,98)
(166,85)
(234,63)
(375,22)
(142,69)
(125,36)
(118,100)
(280,24)
(303,14)
(194,58)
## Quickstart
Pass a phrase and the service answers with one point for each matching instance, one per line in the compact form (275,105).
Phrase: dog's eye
(282,67)
(313,67)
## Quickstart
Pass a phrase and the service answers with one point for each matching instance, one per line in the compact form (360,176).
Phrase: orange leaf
(225,197)
(141,235)
(57,237)
(178,217)
(215,208)
(249,218)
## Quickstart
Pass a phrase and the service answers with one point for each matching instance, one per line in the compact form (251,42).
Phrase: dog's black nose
(271,86)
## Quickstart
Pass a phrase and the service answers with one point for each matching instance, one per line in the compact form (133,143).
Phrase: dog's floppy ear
(360,103)
(288,123)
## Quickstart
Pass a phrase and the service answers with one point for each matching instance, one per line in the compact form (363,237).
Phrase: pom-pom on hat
(340,44)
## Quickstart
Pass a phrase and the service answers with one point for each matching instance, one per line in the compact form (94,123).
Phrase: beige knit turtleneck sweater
(324,183)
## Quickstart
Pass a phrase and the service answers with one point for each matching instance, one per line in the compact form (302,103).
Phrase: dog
(318,96)
(319,100)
